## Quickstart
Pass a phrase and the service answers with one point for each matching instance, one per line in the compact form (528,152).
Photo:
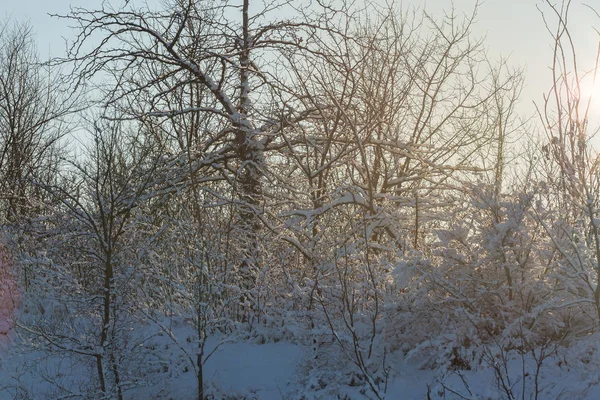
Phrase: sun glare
(590,92)
(590,104)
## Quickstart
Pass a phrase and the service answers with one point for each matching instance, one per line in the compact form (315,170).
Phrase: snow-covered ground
(245,368)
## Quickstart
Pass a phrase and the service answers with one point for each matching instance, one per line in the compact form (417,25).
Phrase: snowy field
(248,369)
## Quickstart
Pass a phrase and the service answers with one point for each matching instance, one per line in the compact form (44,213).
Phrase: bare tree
(90,239)
(225,60)
(401,120)
(33,107)
(571,163)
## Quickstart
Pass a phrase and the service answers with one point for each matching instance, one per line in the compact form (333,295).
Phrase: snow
(141,270)
(265,370)
(285,370)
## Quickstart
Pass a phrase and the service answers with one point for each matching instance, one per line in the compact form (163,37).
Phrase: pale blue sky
(513,28)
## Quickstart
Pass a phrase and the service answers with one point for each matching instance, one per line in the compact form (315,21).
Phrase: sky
(513,29)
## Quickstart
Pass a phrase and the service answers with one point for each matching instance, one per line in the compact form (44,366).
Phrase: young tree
(402,120)
(571,163)
(90,244)
(9,294)
(33,108)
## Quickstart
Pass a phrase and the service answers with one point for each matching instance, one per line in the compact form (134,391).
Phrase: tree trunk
(200,377)
(250,190)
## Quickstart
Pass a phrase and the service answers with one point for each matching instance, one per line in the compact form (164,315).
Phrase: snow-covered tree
(34,105)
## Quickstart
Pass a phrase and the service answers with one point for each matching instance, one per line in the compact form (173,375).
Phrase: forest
(349,187)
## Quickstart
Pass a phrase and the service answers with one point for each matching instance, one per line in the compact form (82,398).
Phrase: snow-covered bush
(489,278)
